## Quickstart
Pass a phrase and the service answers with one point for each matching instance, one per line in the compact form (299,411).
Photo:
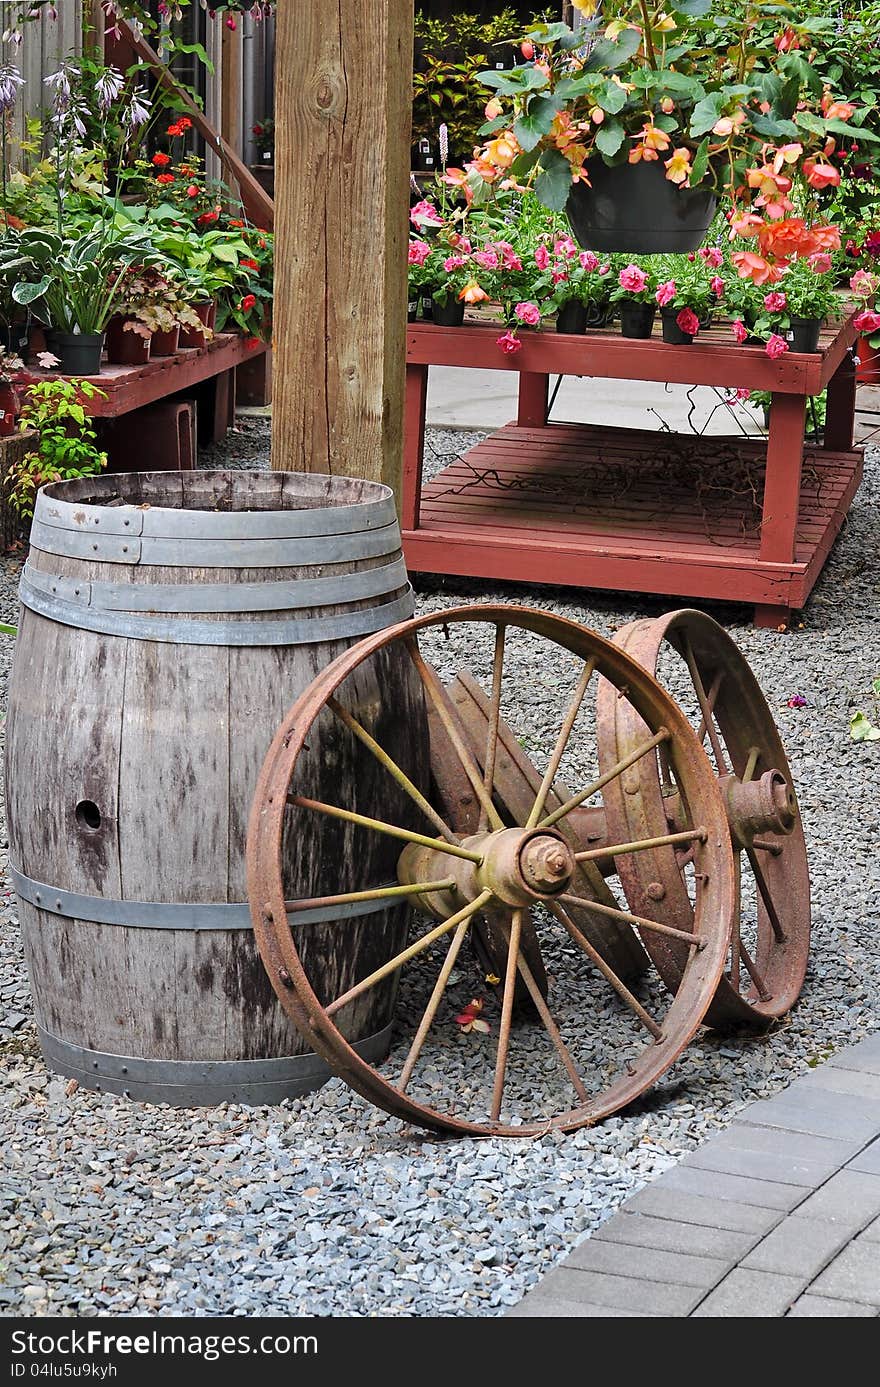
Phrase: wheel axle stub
(608,1041)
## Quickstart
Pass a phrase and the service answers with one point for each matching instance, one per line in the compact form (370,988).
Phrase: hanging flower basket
(635,209)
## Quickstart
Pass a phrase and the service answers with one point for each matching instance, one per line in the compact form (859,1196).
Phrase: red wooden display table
(641,511)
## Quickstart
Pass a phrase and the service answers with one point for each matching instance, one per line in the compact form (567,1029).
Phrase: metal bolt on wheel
(522,876)
(771,937)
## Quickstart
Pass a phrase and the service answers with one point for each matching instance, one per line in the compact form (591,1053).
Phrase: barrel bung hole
(88,815)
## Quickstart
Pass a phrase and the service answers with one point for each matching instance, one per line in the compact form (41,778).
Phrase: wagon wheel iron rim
(765,972)
(506,869)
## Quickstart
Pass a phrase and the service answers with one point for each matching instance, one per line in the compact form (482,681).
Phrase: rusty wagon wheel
(505,873)
(771,938)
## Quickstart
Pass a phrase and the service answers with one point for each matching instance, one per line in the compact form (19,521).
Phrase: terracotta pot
(191,337)
(165,343)
(8,409)
(124,347)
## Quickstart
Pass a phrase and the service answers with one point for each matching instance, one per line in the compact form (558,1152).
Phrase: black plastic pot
(634,208)
(448,314)
(600,314)
(803,334)
(412,310)
(636,319)
(79,353)
(672,333)
(14,337)
(572,317)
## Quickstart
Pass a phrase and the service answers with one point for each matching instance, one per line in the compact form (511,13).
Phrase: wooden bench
(596,507)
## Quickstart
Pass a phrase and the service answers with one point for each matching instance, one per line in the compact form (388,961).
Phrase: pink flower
(776,346)
(797,701)
(775,302)
(711,255)
(454,262)
(509,258)
(738,328)
(425,214)
(666,293)
(542,257)
(487,258)
(418,252)
(565,246)
(739,396)
(558,274)
(589,261)
(605,269)
(716,284)
(688,322)
(528,313)
(863,283)
(821,262)
(866,321)
(509,343)
(632,279)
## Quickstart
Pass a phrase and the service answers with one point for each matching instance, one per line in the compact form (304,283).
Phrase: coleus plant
(714,93)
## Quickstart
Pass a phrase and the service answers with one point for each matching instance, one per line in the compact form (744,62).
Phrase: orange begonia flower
(821,175)
(503,150)
(472,293)
(787,238)
(755,268)
(678,165)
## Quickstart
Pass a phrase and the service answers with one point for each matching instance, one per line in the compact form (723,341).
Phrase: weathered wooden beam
(343,98)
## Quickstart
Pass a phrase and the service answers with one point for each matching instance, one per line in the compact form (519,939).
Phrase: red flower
(866,321)
(247,303)
(738,328)
(207,217)
(776,346)
(192,190)
(185,123)
(250,264)
(256,130)
(160,159)
(509,343)
(233,221)
(174,130)
(164,177)
(688,321)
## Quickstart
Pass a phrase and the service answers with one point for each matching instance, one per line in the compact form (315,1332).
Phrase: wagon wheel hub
(760,806)
(518,866)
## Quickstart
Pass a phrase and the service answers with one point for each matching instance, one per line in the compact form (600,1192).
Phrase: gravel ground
(326,1206)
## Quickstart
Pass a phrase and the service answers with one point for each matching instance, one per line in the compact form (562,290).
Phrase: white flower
(108,88)
(138,112)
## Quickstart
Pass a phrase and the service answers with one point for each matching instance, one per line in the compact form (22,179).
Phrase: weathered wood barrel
(168,621)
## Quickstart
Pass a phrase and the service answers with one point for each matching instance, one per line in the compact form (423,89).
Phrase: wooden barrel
(168,621)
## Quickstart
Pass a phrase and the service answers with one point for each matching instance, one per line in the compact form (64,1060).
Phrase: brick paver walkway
(777,1215)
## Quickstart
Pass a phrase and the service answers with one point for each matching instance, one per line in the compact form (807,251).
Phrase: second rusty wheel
(599,1043)
(702,666)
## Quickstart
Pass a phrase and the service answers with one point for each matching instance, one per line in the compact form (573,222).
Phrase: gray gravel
(326,1206)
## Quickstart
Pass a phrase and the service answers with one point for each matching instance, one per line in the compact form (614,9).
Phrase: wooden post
(342,121)
(230,91)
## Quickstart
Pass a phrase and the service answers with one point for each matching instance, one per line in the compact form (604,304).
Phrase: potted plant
(58,410)
(636,296)
(151,310)
(574,285)
(810,299)
(637,120)
(685,296)
(10,365)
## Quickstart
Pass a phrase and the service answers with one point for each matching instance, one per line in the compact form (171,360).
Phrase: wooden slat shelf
(589,506)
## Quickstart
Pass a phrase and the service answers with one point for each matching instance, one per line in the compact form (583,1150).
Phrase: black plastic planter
(448,314)
(803,334)
(572,317)
(634,208)
(636,319)
(600,314)
(79,353)
(672,333)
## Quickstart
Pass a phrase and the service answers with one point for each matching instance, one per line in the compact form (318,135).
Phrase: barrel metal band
(273,552)
(197,1082)
(184,915)
(134,626)
(336,589)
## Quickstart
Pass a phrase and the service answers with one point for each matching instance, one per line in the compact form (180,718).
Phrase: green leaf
(499,123)
(550,33)
(694,9)
(29,293)
(842,127)
(514,81)
(553,184)
(861,729)
(875,686)
(700,163)
(612,98)
(774,129)
(610,54)
(609,138)
(707,113)
(535,122)
(792,64)
(8,630)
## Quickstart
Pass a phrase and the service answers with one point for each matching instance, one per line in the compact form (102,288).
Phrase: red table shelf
(594,507)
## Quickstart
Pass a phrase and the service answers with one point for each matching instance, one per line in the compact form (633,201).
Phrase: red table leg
(413,444)
(533,393)
(782,491)
(841,406)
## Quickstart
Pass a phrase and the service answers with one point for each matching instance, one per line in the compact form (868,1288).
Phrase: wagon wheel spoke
(705,709)
(434,1001)
(504,1024)
(406,835)
(378,893)
(766,896)
(626,917)
(711,699)
(391,766)
(608,973)
(763,991)
(662,735)
(561,742)
(549,1024)
(494,718)
(405,955)
(751,764)
(641,845)
(454,732)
